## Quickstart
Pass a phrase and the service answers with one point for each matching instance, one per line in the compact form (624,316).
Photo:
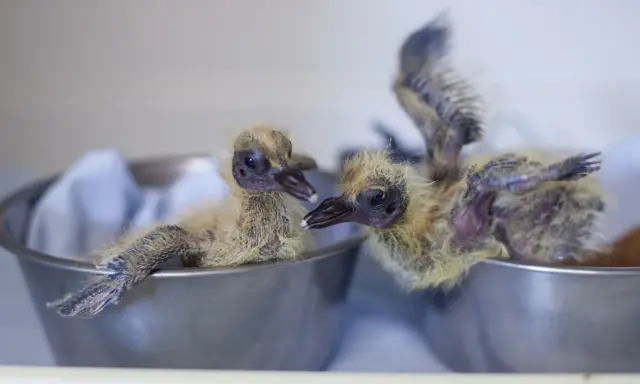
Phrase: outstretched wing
(442,105)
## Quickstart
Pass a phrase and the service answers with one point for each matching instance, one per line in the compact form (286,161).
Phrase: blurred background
(155,77)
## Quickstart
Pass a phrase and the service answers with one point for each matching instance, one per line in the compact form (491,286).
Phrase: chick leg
(492,176)
(540,224)
(472,217)
(128,266)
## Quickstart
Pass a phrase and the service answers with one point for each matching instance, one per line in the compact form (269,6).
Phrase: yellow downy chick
(429,234)
(257,222)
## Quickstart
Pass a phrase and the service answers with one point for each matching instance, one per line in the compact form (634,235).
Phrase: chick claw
(103,291)
(577,167)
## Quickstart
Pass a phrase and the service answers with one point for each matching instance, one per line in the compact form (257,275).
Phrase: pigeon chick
(428,234)
(441,103)
(257,222)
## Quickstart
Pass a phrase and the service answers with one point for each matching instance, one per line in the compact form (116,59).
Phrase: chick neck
(276,199)
(252,226)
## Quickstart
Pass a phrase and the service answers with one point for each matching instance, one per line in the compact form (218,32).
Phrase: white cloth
(97,200)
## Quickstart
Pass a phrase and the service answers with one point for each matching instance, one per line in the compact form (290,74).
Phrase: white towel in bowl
(97,200)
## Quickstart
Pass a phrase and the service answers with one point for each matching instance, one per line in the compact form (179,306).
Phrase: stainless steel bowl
(512,317)
(280,316)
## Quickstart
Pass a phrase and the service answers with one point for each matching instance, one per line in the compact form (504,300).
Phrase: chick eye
(378,199)
(250,162)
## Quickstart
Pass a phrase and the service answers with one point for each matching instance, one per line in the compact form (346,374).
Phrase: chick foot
(92,299)
(104,290)
(126,267)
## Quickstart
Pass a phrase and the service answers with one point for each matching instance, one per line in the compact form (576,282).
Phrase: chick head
(375,192)
(262,161)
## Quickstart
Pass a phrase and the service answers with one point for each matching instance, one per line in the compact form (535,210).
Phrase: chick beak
(331,211)
(293,182)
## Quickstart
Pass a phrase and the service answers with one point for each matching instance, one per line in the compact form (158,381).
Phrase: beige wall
(160,76)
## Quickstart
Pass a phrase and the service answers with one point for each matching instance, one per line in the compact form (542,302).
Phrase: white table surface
(25,375)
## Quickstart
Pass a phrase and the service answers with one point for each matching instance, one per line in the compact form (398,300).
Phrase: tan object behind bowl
(625,253)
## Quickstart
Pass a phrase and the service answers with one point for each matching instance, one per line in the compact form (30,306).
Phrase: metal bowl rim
(560,269)
(10,244)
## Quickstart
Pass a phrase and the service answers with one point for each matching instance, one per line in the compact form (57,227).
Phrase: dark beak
(331,211)
(293,182)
